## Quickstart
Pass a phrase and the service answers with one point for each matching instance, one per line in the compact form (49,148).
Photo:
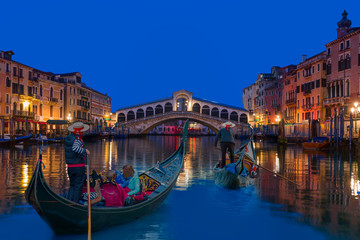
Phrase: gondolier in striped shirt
(227,142)
(75,154)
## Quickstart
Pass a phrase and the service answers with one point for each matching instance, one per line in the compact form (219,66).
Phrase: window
(8,111)
(313,69)
(7,68)
(329,51)
(7,98)
(341,46)
(318,83)
(30,75)
(318,67)
(41,90)
(21,72)
(298,74)
(61,94)
(51,113)
(14,71)
(318,99)
(348,44)
(8,81)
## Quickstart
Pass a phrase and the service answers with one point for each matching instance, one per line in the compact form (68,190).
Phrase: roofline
(220,104)
(146,103)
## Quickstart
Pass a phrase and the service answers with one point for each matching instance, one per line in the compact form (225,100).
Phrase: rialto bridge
(142,118)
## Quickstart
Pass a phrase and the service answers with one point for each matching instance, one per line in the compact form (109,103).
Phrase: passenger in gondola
(227,142)
(75,154)
(132,185)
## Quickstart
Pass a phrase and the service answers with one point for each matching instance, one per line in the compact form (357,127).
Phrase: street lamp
(277,119)
(69,118)
(355,110)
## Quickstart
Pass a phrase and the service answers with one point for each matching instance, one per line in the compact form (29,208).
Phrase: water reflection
(327,198)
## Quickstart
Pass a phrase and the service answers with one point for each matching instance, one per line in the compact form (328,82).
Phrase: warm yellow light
(358,109)
(356,104)
(352,110)
(26,104)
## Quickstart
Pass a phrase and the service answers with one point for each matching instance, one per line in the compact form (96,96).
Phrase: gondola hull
(65,216)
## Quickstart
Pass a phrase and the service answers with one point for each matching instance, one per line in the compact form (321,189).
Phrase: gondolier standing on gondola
(227,142)
(75,154)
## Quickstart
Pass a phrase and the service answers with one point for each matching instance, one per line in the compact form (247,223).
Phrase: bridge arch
(130,115)
(205,110)
(139,113)
(159,109)
(243,118)
(224,114)
(168,107)
(152,126)
(121,117)
(196,108)
(149,111)
(234,116)
(215,112)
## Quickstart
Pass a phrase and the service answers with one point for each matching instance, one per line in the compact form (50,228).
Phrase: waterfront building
(100,110)
(311,87)
(31,97)
(288,103)
(77,97)
(248,97)
(343,68)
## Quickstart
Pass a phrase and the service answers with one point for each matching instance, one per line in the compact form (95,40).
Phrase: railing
(307,91)
(51,99)
(290,118)
(291,101)
(307,106)
(18,113)
(333,100)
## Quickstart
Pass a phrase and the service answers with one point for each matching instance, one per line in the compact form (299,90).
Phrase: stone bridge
(142,118)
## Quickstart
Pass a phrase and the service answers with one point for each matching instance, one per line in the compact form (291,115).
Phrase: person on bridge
(75,154)
(226,143)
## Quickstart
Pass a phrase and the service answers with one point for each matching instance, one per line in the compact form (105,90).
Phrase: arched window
(130,115)
(121,117)
(243,118)
(234,116)
(206,110)
(224,114)
(215,112)
(168,107)
(158,109)
(139,113)
(196,108)
(149,111)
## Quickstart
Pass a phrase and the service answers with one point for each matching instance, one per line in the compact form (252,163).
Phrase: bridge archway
(139,113)
(121,117)
(196,108)
(159,109)
(149,111)
(205,110)
(215,112)
(148,129)
(234,116)
(130,115)
(168,107)
(224,114)
(243,118)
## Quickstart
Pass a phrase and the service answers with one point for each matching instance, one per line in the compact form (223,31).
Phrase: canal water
(325,205)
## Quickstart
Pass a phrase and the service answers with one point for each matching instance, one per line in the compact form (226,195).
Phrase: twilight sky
(138,51)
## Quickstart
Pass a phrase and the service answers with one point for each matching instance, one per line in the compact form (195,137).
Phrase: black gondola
(65,216)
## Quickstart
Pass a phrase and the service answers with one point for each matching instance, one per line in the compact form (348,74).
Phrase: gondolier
(75,159)
(227,142)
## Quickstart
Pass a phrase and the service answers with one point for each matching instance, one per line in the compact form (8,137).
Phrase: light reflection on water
(325,205)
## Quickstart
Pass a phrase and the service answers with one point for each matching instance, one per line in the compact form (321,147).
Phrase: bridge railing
(205,116)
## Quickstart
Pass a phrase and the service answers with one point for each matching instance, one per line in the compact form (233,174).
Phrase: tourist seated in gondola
(133,186)
(96,197)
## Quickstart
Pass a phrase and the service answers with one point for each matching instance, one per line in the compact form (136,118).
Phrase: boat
(243,172)
(12,142)
(65,216)
(316,143)
(56,140)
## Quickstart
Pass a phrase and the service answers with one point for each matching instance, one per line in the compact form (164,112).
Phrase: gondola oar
(88,196)
(279,175)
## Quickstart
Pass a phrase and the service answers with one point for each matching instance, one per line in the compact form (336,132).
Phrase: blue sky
(138,51)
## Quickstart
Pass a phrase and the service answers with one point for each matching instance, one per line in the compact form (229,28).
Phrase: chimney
(303,58)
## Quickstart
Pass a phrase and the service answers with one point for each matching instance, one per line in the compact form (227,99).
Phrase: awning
(60,122)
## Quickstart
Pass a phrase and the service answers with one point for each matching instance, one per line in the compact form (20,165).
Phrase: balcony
(291,101)
(53,100)
(18,113)
(290,118)
(336,100)
(307,107)
(307,92)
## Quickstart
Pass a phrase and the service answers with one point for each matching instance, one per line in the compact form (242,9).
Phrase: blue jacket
(134,184)
(225,136)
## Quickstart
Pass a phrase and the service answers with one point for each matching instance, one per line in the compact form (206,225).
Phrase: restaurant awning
(60,122)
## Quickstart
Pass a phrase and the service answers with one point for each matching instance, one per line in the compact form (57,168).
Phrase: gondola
(66,217)
(316,143)
(11,142)
(241,173)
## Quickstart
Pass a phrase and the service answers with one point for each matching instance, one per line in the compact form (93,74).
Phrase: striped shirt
(78,147)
